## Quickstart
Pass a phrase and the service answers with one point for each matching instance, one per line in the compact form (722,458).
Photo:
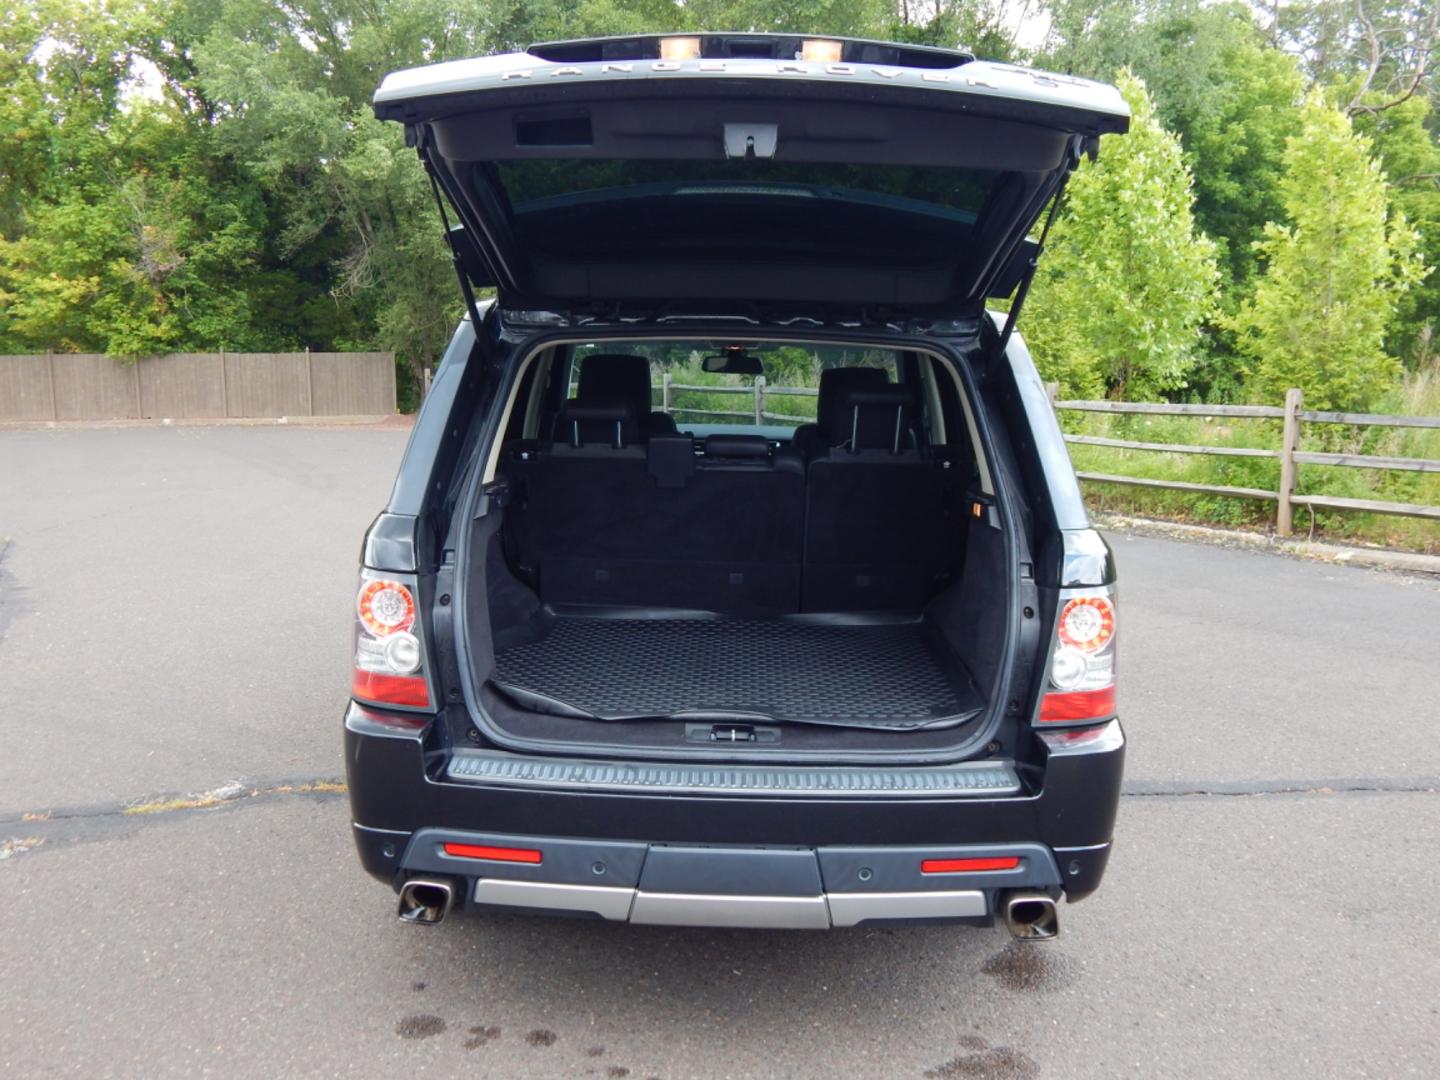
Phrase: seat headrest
(589,423)
(616,377)
(737,446)
(879,418)
(830,412)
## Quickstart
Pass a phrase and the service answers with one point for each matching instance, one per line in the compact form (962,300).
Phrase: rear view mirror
(733,361)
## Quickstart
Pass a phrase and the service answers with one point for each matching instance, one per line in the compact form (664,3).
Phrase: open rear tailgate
(581,177)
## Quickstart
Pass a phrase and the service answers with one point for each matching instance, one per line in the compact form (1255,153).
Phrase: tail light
(1080,687)
(389,655)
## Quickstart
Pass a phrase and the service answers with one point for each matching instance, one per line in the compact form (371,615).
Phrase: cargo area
(843,670)
(658,584)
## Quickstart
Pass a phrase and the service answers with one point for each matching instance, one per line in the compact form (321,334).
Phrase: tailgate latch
(728,732)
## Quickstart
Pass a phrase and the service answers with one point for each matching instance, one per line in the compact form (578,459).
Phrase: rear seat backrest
(659,525)
(585,423)
(874,534)
(831,425)
(619,377)
(880,419)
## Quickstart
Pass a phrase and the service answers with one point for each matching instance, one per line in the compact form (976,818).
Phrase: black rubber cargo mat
(861,674)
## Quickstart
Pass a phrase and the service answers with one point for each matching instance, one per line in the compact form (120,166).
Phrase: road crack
(1177,789)
(234,793)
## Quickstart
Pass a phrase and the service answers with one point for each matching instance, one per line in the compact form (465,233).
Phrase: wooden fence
(1290,456)
(760,393)
(91,386)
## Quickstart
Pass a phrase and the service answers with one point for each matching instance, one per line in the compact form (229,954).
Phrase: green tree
(1232,99)
(1410,155)
(1333,272)
(1127,280)
(116,234)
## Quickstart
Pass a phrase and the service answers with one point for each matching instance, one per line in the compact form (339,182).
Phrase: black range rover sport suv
(736,573)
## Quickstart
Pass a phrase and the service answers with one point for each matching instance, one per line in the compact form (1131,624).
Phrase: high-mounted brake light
(680,48)
(820,51)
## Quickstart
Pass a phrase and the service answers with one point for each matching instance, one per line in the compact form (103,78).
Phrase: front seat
(617,377)
(832,418)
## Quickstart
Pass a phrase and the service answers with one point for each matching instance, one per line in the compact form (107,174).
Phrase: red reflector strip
(1077,705)
(390,689)
(494,854)
(962,866)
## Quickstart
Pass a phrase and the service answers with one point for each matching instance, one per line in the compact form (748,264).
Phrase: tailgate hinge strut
(456,259)
(1033,263)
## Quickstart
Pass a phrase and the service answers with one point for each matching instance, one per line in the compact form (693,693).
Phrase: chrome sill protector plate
(751,912)
(607,901)
(755,912)
(984,779)
(851,909)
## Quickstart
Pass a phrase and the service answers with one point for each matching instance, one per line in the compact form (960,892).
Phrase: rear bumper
(789,888)
(730,845)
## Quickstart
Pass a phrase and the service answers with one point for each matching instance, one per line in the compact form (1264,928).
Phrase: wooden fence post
(759,399)
(1052,393)
(1289,443)
(309,383)
(224,386)
(665,392)
(50,371)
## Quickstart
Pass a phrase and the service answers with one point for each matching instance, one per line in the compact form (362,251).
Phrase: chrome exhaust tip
(425,901)
(1031,916)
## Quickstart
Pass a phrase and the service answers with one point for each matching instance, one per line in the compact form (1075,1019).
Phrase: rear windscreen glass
(773,401)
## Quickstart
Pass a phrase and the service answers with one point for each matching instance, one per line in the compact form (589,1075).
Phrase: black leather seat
(831,422)
(614,378)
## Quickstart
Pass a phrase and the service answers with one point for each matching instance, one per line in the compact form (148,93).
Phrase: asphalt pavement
(174,631)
